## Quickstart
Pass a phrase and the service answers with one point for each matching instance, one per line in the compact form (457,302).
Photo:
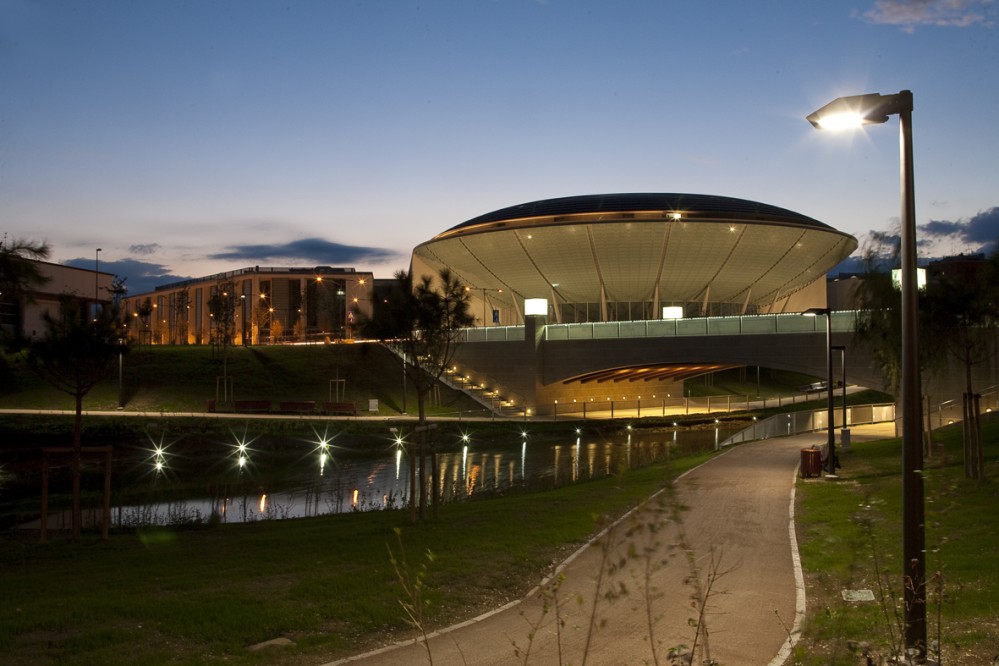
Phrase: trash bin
(811,463)
(210,406)
(844,440)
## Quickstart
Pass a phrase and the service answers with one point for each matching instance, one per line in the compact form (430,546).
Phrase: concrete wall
(537,372)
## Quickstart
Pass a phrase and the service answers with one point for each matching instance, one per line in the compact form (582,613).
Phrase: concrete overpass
(537,364)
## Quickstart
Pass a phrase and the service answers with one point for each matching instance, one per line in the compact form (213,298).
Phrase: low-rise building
(253,305)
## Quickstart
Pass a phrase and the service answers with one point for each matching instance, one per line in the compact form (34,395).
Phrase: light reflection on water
(336,481)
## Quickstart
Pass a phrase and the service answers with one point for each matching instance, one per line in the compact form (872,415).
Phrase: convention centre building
(625,257)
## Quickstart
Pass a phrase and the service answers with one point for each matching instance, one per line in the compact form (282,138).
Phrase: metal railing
(794,423)
(842,322)
(952,411)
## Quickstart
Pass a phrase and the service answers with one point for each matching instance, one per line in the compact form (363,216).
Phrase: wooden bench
(252,405)
(297,406)
(343,408)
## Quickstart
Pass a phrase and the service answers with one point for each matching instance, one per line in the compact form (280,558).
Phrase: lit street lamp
(121,393)
(874,109)
(831,441)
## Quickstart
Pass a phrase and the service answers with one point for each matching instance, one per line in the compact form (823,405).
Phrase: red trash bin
(811,462)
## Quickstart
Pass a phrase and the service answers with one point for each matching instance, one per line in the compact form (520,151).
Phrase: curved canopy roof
(661,248)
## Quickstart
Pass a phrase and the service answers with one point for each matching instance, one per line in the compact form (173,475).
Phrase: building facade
(25,317)
(257,305)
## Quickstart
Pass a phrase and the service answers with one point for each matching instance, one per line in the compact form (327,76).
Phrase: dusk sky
(187,138)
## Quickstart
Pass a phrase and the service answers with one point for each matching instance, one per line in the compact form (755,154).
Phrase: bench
(297,406)
(814,387)
(342,408)
(252,405)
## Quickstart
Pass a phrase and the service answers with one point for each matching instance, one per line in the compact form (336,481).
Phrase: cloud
(943,13)
(981,229)
(140,276)
(314,251)
(144,249)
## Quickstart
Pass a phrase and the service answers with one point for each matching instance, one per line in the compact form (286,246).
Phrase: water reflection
(335,480)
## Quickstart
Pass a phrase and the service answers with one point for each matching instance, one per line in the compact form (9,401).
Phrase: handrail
(843,321)
(794,423)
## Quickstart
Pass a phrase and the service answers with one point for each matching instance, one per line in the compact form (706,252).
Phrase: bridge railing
(842,322)
(492,334)
(794,423)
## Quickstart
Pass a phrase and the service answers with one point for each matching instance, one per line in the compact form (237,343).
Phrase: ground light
(874,109)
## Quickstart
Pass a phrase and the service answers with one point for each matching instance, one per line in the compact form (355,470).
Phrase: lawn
(850,536)
(183,379)
(159,596)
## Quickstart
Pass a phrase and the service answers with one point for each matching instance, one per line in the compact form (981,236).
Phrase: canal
(248,478)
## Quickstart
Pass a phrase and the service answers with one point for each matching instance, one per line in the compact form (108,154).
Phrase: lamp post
(242,314)
(121,393)
(97,277)
(844,436)
(869,109)
(831,430)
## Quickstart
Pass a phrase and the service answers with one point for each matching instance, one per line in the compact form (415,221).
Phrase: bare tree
(73,355)
(222,310)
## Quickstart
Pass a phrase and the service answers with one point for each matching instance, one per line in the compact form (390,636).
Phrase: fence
(952,411)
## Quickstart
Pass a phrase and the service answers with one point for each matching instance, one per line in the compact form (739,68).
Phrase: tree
(879,324)
(181,314)
(222,310)
(957,318)
(964,320)
(118,290)
(144,312)
(73,354)
(20,276)
(424,321)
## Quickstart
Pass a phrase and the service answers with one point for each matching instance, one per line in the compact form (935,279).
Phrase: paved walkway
(739,522)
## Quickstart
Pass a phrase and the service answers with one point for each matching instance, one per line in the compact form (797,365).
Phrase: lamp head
(857,110)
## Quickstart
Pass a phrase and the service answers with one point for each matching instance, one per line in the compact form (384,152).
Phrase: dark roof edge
(672,202)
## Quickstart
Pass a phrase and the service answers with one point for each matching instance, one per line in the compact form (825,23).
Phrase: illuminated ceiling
(650,373)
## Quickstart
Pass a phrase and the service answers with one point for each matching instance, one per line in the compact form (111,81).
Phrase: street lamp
(97,277)
(844,433)
(831,441)
(121,393)
(875,109)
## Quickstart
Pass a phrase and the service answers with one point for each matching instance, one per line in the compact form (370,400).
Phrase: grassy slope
(183,378)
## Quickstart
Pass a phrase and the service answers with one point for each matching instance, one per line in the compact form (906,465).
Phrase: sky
(188,138)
